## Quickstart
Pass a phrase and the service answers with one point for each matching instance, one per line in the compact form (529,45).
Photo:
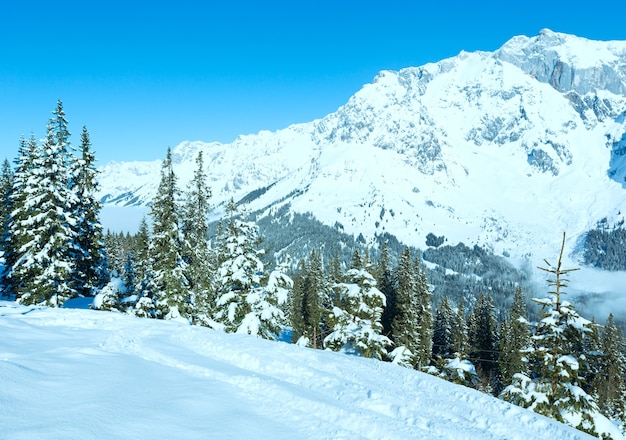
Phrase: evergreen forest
(470,323)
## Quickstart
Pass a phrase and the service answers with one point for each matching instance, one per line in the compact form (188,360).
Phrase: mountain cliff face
(504,149)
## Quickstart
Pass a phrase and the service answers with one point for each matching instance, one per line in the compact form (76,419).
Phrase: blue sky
(143,76)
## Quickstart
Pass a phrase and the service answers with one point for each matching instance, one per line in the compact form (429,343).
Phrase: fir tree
(460,337)
(425,315)
(443,346)
(129,284)
(197,253)
(412,324)
(310,293)
(165,252)
(19,246)
(385,279)
(266,318)
(141,250)
(6,189)
(45,267)
(356,313)
(514,340)
(554,387)
(610,382)
(239,271)
(91,260)
(483,338)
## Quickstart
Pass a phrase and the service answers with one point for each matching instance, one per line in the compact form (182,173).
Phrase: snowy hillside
(504,149)
(77,374)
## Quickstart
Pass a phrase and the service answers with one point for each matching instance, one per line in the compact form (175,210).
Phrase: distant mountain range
(503,149)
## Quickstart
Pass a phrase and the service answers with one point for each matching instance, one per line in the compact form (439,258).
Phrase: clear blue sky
(147,75)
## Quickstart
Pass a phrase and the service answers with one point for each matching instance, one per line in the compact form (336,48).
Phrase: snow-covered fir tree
(19,236)
(266,317)
(6,188)
(91,259)
(166,248)
(44,224)
(554,387)
(356,313)
(197,252)
(244,303)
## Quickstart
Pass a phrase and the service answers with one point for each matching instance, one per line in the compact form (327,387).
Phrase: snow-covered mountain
(80,374)
(505,149)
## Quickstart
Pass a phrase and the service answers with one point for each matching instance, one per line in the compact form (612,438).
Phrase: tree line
(177,267)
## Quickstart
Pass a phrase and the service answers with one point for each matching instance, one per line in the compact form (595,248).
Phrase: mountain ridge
(504,149)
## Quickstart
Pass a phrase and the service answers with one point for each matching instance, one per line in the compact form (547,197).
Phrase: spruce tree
(19,247)
(45,268)
(386,284)
(197,253)
(310,293)
(483,338)
(356,313)
(514,340)
(610,382)
(6,189)
(91,260)
(554,387)
(141,250)
(412,324)
(239,268)
(165,252)
(425,315)
(443,346)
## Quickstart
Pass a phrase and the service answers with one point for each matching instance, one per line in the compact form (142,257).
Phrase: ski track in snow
(81,374)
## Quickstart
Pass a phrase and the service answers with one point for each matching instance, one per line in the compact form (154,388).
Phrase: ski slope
(82,374)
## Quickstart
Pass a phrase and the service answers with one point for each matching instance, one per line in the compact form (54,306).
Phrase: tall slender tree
(197,253)
(610,382)
(166,248)
(6,189)
(91,260)
(514,340)
(386,284)
(483,338)
(310,293)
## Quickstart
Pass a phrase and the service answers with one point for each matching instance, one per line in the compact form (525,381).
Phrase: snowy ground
(81,374)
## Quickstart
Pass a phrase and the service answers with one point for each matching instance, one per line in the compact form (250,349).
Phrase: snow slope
(505,149)
(81,374)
